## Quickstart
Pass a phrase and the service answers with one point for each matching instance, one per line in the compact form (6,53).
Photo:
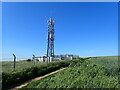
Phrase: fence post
(34,59)
(14,61)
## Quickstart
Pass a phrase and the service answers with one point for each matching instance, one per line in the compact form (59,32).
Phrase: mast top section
(50,22)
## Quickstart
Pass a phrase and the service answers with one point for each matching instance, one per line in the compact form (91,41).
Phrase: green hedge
(13,78)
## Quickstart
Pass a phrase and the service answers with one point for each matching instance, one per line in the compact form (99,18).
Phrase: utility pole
(50,46)
(14,61)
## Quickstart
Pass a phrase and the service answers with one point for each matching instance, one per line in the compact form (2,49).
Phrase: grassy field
(7,66)
(93,72)
(97,72)
(109,62)
(26,72)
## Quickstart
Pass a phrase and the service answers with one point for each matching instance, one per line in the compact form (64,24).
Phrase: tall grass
(82,74)
(109,62)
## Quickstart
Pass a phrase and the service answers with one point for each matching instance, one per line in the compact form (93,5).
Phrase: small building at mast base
(56,58)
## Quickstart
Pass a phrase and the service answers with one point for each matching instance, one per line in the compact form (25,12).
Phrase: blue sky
(85,29)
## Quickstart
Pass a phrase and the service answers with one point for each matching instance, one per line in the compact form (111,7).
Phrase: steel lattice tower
(50,46)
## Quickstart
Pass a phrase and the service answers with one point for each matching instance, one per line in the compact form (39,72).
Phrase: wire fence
(17,58)
(16,64)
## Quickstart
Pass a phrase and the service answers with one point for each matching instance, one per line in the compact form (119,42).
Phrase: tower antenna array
(50,46)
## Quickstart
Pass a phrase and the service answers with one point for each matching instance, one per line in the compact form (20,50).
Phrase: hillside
(92,73)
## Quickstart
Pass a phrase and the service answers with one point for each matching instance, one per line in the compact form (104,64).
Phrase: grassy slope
(83,75)
(109,62)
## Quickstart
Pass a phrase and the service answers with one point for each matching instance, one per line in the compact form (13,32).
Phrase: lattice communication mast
(50,46)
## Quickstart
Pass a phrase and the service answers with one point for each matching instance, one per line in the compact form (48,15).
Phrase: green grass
(11,78)
(90,72)
(7,66)
(94,73)
(109,62)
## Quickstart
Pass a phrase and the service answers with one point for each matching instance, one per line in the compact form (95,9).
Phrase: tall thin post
(34,59)
(14,61)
